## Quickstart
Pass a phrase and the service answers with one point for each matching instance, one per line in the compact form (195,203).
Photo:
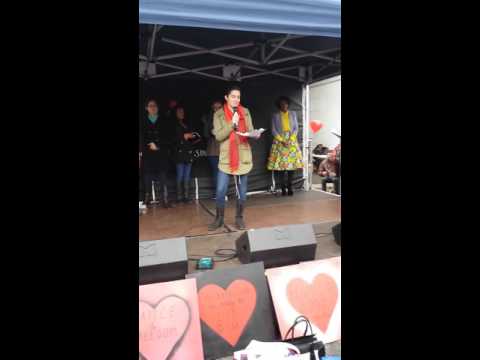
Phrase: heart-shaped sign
(315,126)
(162,327)
(316,301)
(227,311)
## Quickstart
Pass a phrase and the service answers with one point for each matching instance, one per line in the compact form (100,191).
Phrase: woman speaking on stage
(235,154)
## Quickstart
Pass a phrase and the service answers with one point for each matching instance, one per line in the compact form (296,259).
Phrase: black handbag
(194,150)
(305,343)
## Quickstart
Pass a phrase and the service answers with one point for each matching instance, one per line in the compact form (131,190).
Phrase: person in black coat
(140,170)
(156,140)
(213,146)
(186,140)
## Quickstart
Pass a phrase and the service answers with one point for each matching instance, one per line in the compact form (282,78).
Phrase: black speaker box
(336,230)
(162,260)
(277,246)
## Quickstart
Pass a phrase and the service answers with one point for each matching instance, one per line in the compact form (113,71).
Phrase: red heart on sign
(162,326)
(315,126)
(227,312)
(316,301)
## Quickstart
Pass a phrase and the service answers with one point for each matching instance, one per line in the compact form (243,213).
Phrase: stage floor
(262,210)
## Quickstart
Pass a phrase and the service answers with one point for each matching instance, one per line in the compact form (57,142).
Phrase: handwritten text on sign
(227,311)
(162,326)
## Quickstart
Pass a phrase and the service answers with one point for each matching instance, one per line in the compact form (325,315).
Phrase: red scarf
(242,127)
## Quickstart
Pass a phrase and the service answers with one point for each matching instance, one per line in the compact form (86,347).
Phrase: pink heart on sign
(316,300)
(162,326)
(315,125)
(229,316)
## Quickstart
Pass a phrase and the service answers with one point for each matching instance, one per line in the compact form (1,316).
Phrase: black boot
(179,192)
(160,195)
(147,199)
(186,188)
(289,182)
(290,190)
(239,223)
(166,203)
(281,176)
(218,220)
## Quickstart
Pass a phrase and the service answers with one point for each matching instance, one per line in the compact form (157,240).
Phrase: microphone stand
(235,129)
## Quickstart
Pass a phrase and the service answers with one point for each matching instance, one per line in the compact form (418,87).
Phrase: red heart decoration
(315,126)
(227,312)
(162,326)
(316,301)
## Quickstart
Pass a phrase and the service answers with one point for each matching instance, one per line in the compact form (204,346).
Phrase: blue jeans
(213,160)
(223,180)
(183,172)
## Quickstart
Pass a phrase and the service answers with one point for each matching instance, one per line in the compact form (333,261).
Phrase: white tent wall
(325,107)
(258,96)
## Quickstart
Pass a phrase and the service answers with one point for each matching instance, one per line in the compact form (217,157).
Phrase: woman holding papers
(230,125)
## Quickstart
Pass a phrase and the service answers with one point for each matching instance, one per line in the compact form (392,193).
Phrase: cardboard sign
(311,289)
(169,322)
(235,307)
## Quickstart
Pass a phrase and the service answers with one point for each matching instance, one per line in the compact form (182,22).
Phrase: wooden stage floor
(263,210)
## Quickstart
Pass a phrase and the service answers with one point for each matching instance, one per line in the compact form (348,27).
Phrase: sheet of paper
(254,133)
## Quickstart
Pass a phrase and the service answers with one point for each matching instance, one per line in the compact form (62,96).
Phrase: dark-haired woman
(235,154)
(285,155)
(185,141)
(156,142)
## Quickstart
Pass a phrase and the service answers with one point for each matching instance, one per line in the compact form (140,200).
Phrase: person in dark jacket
(213,146)
(156,138)
(170,113)
(140,170)
(184,157)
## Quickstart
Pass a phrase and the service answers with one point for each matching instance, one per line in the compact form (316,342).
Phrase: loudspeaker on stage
(278,246)
(162,260)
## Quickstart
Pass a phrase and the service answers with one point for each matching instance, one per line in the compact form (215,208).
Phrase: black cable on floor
(233,254)
(219,254)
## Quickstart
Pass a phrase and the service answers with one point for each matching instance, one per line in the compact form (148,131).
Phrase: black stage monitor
(278,246)
(162,260)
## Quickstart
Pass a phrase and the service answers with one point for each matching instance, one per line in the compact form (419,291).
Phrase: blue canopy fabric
(302,17)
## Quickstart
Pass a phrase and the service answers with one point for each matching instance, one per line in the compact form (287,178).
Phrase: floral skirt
(285,156)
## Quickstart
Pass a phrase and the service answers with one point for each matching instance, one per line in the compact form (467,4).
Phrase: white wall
(325,107)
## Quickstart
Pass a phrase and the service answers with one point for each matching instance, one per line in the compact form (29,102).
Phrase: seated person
(329,170)
(319,150)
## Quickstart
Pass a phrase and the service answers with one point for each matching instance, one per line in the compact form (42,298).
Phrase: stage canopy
(302,17)
(225,55)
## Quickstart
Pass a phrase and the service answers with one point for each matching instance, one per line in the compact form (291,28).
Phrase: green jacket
(222,130)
